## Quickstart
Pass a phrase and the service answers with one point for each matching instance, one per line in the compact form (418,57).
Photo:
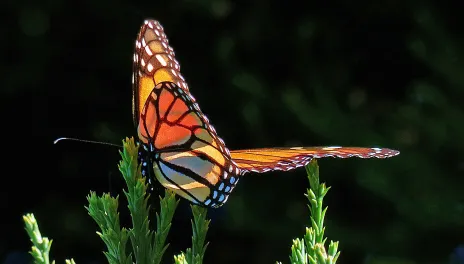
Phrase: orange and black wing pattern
(178,145)
(186,154)
(181,148)
(154,62)
(284,159)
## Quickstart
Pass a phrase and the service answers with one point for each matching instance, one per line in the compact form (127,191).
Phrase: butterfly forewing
(154,62)
(268,159)
(179,145)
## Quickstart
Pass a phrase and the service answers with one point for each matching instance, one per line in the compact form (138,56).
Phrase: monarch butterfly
(181,148)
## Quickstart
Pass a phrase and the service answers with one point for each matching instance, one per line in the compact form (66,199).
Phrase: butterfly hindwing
(186,154)
(178,144)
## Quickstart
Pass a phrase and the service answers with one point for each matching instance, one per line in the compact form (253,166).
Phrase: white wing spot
(161,60)
(377,150)
(331,148)
(148,51)
(150,67)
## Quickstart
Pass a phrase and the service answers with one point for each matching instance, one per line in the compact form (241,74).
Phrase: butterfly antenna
(86,141)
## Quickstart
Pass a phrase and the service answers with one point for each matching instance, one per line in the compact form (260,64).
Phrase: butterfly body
(181,148)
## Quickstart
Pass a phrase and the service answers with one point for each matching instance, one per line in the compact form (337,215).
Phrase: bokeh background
(267,73)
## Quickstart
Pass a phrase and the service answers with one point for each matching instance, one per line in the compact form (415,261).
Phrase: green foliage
(104,210)
(200,225)
(149,246)
(311,248)
(41,245)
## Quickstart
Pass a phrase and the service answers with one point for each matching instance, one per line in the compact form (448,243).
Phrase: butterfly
(181,148)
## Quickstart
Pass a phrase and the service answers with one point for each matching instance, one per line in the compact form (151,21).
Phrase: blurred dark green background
(267,73)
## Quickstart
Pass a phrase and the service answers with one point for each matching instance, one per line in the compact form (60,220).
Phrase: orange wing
(183,149)
(180,147)
(268,159)
(154,62)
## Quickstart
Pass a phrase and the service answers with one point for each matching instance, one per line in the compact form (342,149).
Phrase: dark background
(267,73)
